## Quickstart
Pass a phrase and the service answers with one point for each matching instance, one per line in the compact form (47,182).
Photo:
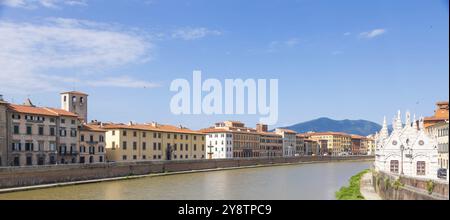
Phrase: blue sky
(338,59)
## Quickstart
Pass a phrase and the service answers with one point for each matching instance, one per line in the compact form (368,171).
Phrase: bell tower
(75,102)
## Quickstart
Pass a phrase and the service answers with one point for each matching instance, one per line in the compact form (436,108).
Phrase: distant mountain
(359,127)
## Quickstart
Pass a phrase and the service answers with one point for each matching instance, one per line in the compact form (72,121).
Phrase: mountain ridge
(325,124)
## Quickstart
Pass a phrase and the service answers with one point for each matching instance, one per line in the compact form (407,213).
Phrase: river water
(317,181)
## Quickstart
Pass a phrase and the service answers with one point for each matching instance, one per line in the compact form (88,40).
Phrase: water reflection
(308,181)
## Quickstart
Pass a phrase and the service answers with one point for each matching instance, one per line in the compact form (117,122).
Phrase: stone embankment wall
(37,175)
(394,187)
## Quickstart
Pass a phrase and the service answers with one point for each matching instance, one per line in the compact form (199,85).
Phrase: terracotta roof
(74,92)
(269,134)
(354,136)
(287,130)
(40,110)
(62,112)
(149,127)
(95,128)
(432,118)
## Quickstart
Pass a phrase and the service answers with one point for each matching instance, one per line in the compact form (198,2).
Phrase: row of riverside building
(32,135)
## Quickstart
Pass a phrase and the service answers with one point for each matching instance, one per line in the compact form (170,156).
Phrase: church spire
(408,119)
(414,123)
(398,122)
(384,130)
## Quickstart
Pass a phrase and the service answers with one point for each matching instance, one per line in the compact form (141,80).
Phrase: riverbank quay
(28,178)
(366,187)
(352,191)
(399,187)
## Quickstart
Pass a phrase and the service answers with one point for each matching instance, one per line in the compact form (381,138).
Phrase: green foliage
(352,192)
(387,183)
(430,186)
(397,184)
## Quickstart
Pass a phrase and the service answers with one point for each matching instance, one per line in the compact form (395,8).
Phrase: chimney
(154,124)
(261,127)
(130,123)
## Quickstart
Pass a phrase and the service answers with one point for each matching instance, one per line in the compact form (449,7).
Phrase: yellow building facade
(137,142)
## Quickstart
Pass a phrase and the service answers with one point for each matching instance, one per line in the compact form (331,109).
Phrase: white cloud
(372,33)
(275,45)
(292,42)
(45,55)
(32,4)
(189,33)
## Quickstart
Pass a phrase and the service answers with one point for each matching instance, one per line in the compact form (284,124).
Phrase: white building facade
(408,150)
(219,145)
(289,141)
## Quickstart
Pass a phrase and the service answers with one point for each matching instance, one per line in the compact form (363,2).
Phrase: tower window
(81,100)
(74,99)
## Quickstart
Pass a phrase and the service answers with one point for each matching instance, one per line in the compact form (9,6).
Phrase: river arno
(306,181)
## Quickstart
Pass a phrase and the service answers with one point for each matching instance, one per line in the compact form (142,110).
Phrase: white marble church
(408,150)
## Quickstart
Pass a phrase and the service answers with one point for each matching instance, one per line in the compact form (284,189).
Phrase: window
(91,138)
(16,129)
(63,121)
(144,157)
(52,131)
(175,146)
(154,146)
(81,100)
(144,134)
(159,135)
(420,168)
(195,146)
(187,147)
(28,146)
(195,138)
(175,136)
(52,120)
(29,161)
(124,133)
(73,122)
(168,136)
(134,134)
(144,146)
(124,157)
(82,138)
(134,145)
(74,99)
(113,133)
(187,137)
(29,130)
(159,146)
(394,166)
(62,132)
(154,157)
(134,157)
(159,156)
(73,132)
(154,135)
(113,145)
(124,145)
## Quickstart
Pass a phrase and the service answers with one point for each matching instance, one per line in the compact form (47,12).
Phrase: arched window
(74,99)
